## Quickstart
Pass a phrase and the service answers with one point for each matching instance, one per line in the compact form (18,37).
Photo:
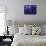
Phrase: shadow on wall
(21,23)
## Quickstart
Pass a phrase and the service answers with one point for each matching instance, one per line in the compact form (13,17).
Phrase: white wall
(15,9)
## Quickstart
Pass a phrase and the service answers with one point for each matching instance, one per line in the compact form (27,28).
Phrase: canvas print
(30,9)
